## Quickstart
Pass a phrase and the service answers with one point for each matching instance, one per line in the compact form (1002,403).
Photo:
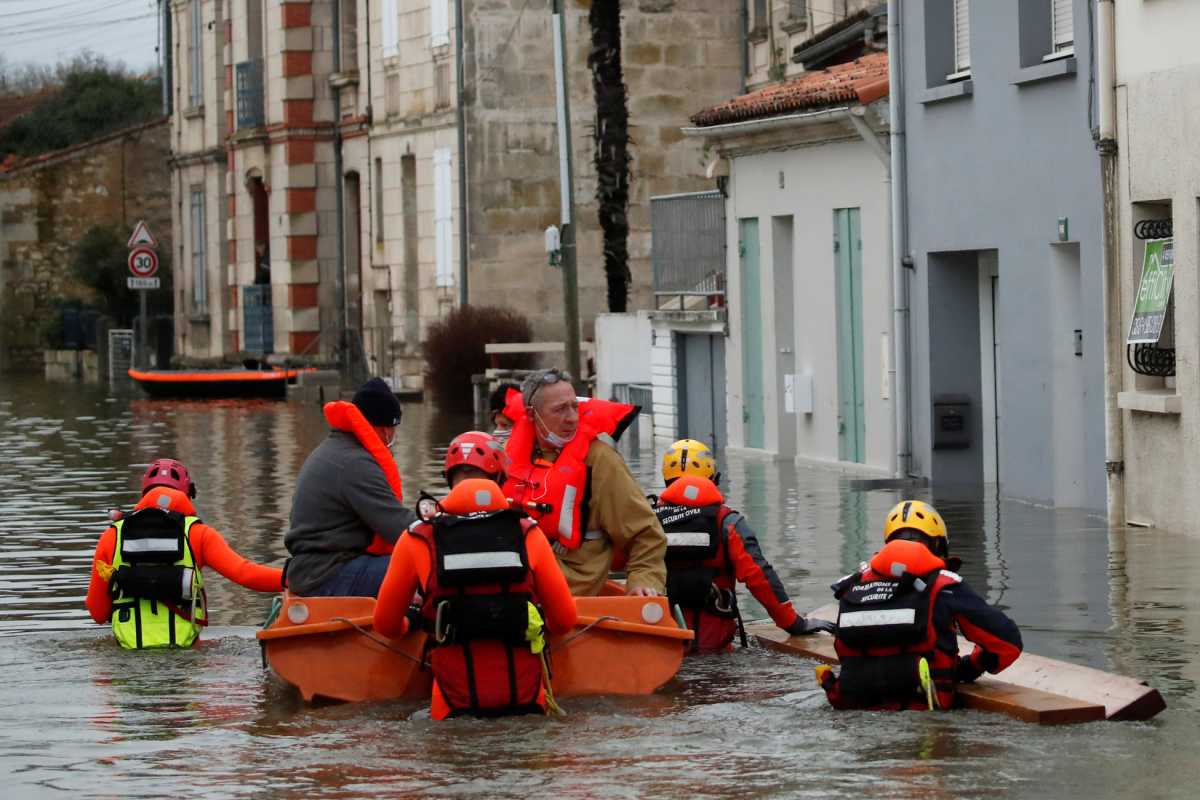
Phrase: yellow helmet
(688,457)
(914,516)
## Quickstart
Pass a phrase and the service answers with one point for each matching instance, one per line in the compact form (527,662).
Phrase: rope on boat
(584,630)
(378,640)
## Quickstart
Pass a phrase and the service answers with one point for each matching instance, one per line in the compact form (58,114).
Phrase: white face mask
(553,439)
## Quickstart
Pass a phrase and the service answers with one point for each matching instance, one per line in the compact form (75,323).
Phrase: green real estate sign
(1158,276)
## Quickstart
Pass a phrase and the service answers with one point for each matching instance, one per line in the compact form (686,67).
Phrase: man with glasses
(562,461)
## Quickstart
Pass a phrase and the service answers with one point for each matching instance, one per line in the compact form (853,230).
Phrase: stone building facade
(48,202)
(323,138)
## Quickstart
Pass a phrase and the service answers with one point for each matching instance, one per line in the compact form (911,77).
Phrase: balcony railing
(688,250)
(249,84)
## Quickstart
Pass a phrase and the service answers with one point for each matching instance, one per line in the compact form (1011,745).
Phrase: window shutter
(443,218)
(199,268)
(962,35)
(391,29)
(439,23)
(196,65)
(1063,25)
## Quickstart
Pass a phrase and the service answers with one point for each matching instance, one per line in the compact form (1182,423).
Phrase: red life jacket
(343,416)
(563,485)
(476,604)
(699,574)
(886,623)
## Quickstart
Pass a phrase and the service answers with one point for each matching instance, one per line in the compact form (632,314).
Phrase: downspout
(339,278)
(1114,441)
(461,123)
(745,45)
(168,61)
(901,348)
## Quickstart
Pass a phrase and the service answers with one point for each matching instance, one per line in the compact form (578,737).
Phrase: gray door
(258,335)
(701,357)
(753,405)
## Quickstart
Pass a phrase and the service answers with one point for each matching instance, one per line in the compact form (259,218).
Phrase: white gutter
(901,349)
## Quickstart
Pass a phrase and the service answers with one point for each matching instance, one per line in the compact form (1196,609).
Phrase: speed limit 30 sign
(143,262)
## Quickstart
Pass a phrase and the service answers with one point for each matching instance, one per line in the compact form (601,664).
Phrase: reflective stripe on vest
(150,545)
(480,560)
(688,539)
(892,616)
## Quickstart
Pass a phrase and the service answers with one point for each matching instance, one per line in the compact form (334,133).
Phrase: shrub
(454,350)
(100,262)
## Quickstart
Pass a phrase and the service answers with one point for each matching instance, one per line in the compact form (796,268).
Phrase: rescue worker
(485,575)
(347,508)
(561,456)
(899,618)
(710,549)
(146,572)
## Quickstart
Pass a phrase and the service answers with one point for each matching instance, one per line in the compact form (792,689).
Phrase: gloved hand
(805,627)
(413,615)
(967,672)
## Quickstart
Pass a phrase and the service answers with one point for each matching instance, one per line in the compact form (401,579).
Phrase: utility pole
(566,198)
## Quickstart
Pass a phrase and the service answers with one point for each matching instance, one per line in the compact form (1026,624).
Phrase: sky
(50,31)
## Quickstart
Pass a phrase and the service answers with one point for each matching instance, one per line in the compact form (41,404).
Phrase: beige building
(318,175)
(1154,386)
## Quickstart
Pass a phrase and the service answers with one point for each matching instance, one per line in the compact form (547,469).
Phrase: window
(199,268)
(798,9)
(443,217)
(195,57)
(348,44)
(759,23)
(439,23)
(962,40)
(1062,27)
(391,29)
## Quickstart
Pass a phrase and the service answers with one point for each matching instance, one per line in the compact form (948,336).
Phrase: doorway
(989,363)
(701,381)
(847,249)
(785,335)
(753,415)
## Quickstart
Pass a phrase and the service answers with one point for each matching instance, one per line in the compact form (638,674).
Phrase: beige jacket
(618,508)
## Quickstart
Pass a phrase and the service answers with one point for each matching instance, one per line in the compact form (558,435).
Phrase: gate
(258,335)
(120,353)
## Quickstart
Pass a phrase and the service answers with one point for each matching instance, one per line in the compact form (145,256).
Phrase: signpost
(143,264)
(1154,292)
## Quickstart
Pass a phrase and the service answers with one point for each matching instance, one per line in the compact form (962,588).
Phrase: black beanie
(378,403)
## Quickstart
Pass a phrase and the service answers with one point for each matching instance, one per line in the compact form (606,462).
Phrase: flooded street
(78,715)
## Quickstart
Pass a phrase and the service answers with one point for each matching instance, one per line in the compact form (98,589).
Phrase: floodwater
(78,715)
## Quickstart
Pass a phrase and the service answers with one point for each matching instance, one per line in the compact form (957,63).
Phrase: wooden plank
(502,348)
(986,694)
(1123,698)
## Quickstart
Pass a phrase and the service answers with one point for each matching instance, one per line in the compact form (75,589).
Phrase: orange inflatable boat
(325,647)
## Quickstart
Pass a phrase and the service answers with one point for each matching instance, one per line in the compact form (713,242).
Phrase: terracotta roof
(863,80)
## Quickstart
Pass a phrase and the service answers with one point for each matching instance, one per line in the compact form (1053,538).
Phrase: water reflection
(79,715)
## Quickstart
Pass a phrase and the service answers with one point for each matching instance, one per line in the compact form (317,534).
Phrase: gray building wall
(993,164)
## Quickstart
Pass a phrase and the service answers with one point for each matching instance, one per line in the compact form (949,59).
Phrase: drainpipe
(461,123)
(1114,442)
(901,348)
(339,276)
(745,44)
(167,61)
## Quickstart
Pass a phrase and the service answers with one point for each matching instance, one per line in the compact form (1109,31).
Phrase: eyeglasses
(549,378)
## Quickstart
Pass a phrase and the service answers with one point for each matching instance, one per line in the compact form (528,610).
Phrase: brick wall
(48,202)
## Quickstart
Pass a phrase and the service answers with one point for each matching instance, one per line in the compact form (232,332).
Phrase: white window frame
(439,23)
(195,56)
(391,28)
(199,261)
(960,34)
(443,217)
(1062,36)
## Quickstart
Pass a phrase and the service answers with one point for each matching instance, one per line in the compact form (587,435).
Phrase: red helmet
(169,473)
(476,449)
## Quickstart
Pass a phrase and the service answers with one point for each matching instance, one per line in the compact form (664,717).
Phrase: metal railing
(259,325)
(120,353)
(249,83)
(687,235)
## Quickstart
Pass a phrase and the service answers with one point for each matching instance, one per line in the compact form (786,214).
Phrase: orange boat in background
(325,647)
(216,382)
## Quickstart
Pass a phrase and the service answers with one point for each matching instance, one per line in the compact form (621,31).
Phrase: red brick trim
(303,295)
(300,151)
(301,341)
(297,63)
(298,113)
(228,31)
(301,201)
(229,76)
(233,297)
(302,248)
(232,245)
(295,15)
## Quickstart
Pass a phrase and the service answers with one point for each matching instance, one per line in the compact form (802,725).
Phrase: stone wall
(678,56)
(46,205)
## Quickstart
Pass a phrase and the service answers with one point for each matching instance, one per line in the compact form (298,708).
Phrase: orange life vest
(563,484)
(886,622)
(343,416)
(476,605)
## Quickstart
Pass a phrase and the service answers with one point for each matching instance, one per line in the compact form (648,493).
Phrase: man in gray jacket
(344,498)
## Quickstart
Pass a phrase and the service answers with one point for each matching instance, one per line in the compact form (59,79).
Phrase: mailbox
(951,422)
